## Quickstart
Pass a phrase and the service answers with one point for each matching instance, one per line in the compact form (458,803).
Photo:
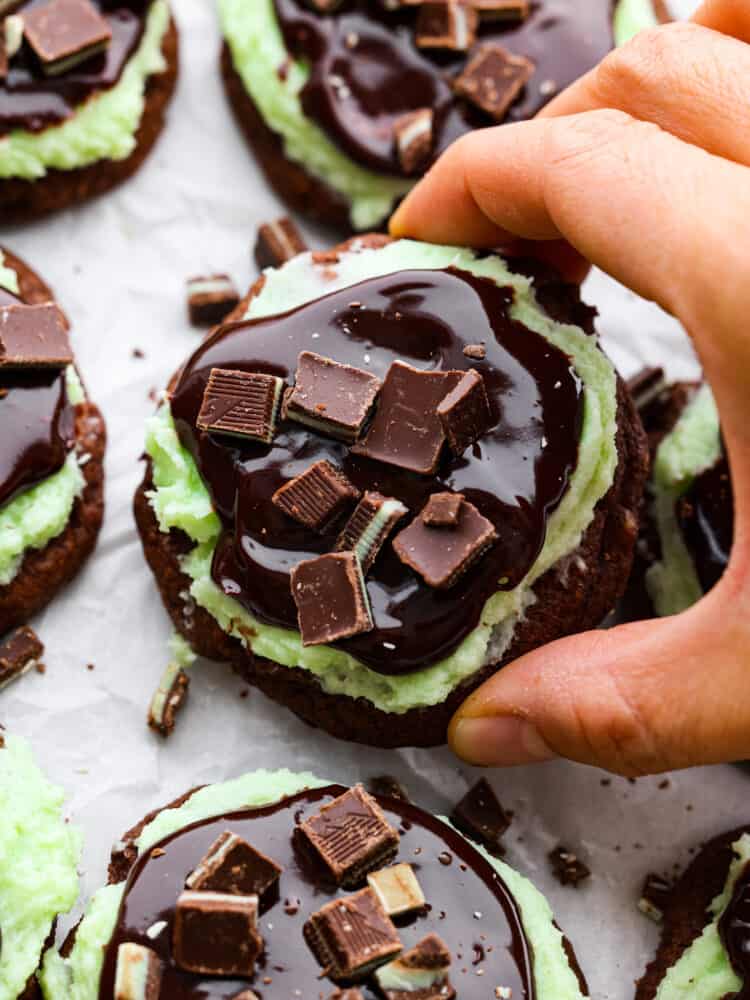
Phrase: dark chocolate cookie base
(291,182)
(685,914)
(43,572)
(23,200)
(573,596)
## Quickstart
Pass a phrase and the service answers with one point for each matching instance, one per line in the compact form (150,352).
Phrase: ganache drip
(515,475)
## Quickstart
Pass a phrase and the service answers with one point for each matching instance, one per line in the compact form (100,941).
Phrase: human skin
(642,168)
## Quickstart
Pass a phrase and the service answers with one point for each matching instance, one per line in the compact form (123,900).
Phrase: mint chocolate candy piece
(216,934)
(352,936)
(211,299)
(421,972)
(481,817)
(465,412)
(446,25)
(493,79)
(441,556)
(277,243)
(138,974)
(33,337)
(567,867)
(414,134)
(317,496)
(331,598)
(241,404)
(501,10)
(374,518)
(233,866)
(64,33)
(168,699)
(351,836)
(19,652)
(332,398)
(443,510)
(406,430)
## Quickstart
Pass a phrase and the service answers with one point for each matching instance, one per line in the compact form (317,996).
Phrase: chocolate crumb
(567,867)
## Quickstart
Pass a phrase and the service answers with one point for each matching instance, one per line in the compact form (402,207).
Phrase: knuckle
(649,58)
(572,143)
(615,732)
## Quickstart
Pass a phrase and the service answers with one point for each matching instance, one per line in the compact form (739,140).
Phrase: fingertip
(503,741)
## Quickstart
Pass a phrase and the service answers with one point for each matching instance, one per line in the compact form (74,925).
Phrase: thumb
(637,699)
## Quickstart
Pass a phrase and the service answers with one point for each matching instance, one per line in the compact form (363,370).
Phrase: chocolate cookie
(688,523)
(34,572)
(354,670)
(38,861)
(141,56)
(346,105)
(686,916)
(252,878)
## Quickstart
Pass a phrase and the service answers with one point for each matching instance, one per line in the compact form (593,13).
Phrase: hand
(642,168)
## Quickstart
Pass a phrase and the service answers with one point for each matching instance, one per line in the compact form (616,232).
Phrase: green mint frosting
(258,53)
(77,977)
(104,128)
(39,855)
(693,445)
(703,971)
(180,500)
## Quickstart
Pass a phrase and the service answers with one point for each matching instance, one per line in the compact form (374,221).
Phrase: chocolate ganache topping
(37,423)
(431,892)
(734,930)
(510,479)
(706,518)
(33,100)
(367,70)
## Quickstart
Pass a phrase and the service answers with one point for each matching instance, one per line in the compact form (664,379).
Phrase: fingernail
(499,742)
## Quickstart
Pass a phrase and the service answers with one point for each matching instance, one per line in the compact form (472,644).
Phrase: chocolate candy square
(241,404)
(138,973)
(414,139)
(374,518)
(19,652)
(277,243)
(441,556)
(446,25)
(332,398)
(33,337)
(351,836)
(493,79)
(233,866)
(465,412)
(443,510)
(351,936)
(215,934)
(317,496)
(64,33)
(211,299)
(406,430)
(501,10)
(481,817)
(397,888)
(169,698)
(331,598)
(421,971)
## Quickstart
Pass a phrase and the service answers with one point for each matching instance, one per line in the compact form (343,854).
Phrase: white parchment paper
(119,267)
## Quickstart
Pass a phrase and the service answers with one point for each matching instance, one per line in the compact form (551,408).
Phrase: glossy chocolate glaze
(706,517)
(734,930)
(357,91)
(470,907)
(37,425)
(515,475)
(32,101)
